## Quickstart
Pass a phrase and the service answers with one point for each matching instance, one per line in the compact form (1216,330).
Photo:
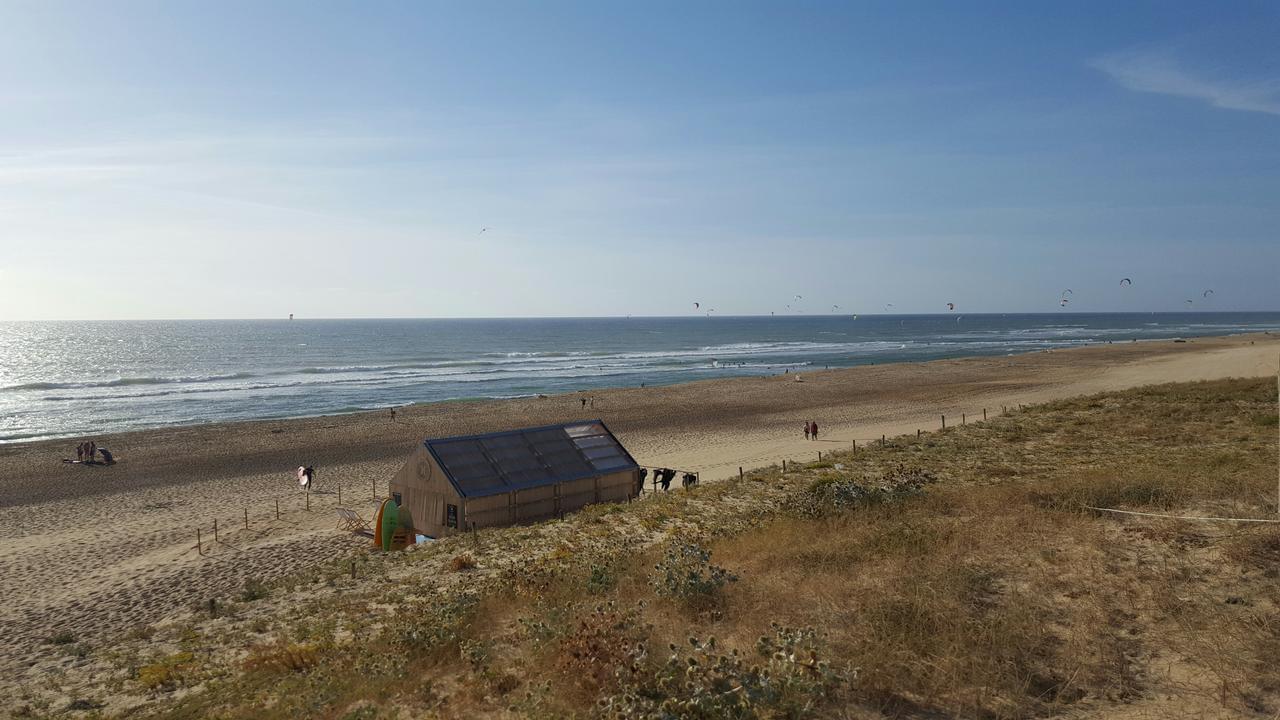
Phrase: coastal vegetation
(960,573)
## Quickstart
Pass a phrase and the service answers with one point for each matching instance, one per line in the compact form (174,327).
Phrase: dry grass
(954,575)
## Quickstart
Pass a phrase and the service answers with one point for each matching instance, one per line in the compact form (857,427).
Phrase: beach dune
(90,552)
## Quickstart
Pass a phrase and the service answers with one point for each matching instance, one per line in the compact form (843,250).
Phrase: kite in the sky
(888,305)
(696,306)
(799,297)
(1126,280)
(1067,292)
(1190,303)
(835,308)
(1207,293)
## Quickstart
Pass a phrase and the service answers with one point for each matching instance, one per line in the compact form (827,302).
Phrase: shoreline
(25,443)
(108,411)
(194,449)
(122,552)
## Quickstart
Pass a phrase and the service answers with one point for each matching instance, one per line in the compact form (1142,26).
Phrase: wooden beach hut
(456,483)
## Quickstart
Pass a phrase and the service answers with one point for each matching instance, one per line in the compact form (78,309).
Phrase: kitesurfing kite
(696,306)
(888,305)
(1190,303)
(835,308)
(1207,293)
(799,297)
(1067,292)
(1126,280)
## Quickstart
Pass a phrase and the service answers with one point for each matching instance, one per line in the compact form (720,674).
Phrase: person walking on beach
(80,452)
(813,429)
(807,429)
(92,452)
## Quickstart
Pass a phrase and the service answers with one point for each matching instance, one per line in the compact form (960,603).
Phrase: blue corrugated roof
(500,462)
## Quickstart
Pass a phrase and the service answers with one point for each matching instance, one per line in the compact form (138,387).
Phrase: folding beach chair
(349,520)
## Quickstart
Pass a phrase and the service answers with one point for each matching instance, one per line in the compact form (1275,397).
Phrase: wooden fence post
(917,432)
(215,529)
(944,422)
(308,501)
(855,446)
(784,466)
(246,518)
(984,414)
(199,544)
(339,493)
(277,508)
(819,456)
(962,419)
(739,472)
(881,440)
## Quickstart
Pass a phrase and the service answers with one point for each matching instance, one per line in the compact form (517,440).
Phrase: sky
(228,159)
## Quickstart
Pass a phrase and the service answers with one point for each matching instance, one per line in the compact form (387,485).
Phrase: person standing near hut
(813,429)
(80,452)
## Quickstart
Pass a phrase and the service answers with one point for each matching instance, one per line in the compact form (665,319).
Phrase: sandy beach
(96,551)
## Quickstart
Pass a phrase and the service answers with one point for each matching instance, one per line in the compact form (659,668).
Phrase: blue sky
(249,159)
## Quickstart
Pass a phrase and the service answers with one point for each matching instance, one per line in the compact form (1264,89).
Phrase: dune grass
(958,574)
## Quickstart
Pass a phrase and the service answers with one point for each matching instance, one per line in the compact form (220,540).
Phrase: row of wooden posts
(741,474)
(884,440)
(306,506)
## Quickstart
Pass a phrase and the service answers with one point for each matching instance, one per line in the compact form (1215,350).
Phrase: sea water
(77,378)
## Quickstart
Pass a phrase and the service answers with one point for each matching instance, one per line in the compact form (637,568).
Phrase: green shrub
(168,673)
(788,680)
(253,590)
(685,573)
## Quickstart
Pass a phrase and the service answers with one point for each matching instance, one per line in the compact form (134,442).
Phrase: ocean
(60,379)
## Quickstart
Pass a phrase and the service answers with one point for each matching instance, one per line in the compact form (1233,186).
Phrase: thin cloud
(1160,73)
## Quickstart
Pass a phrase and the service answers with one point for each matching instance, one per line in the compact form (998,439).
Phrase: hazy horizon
(437,160)
(692,316)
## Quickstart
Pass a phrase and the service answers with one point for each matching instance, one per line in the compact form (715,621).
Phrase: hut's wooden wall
(426,492)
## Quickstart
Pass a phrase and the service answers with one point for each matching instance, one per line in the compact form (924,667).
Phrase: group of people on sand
(811,430)
(87,452)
